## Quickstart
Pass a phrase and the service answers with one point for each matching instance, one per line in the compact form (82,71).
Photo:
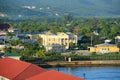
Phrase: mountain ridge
(81,8)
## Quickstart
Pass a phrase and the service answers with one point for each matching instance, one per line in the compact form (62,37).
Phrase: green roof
(11,54)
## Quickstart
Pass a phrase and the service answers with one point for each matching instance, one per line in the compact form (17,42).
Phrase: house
(11,69)
(104,48)
(2,46)
(60,38)
(12,55)
(108,40)
(54,75)
(6,27)
(117,38)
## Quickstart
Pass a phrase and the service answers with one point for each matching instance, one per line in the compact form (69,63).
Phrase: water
(92,73)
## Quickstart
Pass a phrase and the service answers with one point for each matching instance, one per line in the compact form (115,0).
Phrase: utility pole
(91,41)
(84,76)
(58,66)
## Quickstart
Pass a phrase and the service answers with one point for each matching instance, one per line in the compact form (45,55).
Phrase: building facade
(104,48)
(56,48)
(59,38)
(117,39)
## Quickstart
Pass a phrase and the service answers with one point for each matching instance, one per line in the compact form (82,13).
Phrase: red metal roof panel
(18,70)
(32,70)
(10,68)
(54,75)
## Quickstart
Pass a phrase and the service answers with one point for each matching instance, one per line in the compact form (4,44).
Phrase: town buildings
(58,42)
(104,48)
(64,39)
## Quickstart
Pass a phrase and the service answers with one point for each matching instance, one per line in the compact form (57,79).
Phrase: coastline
(81,63)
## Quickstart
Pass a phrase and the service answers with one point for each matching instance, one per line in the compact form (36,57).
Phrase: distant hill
(84,8)
(14,9)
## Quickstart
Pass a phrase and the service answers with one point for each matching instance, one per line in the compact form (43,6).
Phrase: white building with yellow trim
(59,38)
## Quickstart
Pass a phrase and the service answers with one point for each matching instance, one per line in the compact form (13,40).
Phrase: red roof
(54,75)
(32,70)
(76,29)
(18,70)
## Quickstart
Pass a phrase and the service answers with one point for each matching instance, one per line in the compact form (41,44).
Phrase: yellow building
(104,48)
(59,38)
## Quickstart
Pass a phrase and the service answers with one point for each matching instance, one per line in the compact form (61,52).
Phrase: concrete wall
(86,63)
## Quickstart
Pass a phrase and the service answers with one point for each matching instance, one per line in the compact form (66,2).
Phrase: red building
(18,70)
(11,69)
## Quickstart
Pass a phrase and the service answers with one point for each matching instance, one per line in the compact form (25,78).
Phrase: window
(54,39)
(62,40)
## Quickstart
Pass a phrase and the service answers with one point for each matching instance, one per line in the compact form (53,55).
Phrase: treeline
(106,27)
(74,57)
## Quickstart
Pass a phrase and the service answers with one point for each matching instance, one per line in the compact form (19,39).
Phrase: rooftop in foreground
(19,70)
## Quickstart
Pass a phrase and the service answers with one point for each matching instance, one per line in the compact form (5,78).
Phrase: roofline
(22,71)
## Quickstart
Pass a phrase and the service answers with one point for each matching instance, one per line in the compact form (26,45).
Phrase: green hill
(84,8)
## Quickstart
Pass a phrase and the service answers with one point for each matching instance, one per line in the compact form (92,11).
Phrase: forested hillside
(83,8)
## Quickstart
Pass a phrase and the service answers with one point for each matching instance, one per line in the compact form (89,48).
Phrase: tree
(7,49)
(68,17)
(15,42)
(40,53)
(96,39)
(10,34)
(71,45)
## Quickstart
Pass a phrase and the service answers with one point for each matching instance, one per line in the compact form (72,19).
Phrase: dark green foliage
(58,57)
(15,42)
(30,49)
(108,27)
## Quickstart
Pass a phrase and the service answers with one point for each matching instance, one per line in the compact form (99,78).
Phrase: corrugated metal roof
(18,70)
(32,70)
(54,75)
(11,54)
(10,68)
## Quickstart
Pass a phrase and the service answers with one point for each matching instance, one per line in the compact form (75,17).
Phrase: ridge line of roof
(21,72)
